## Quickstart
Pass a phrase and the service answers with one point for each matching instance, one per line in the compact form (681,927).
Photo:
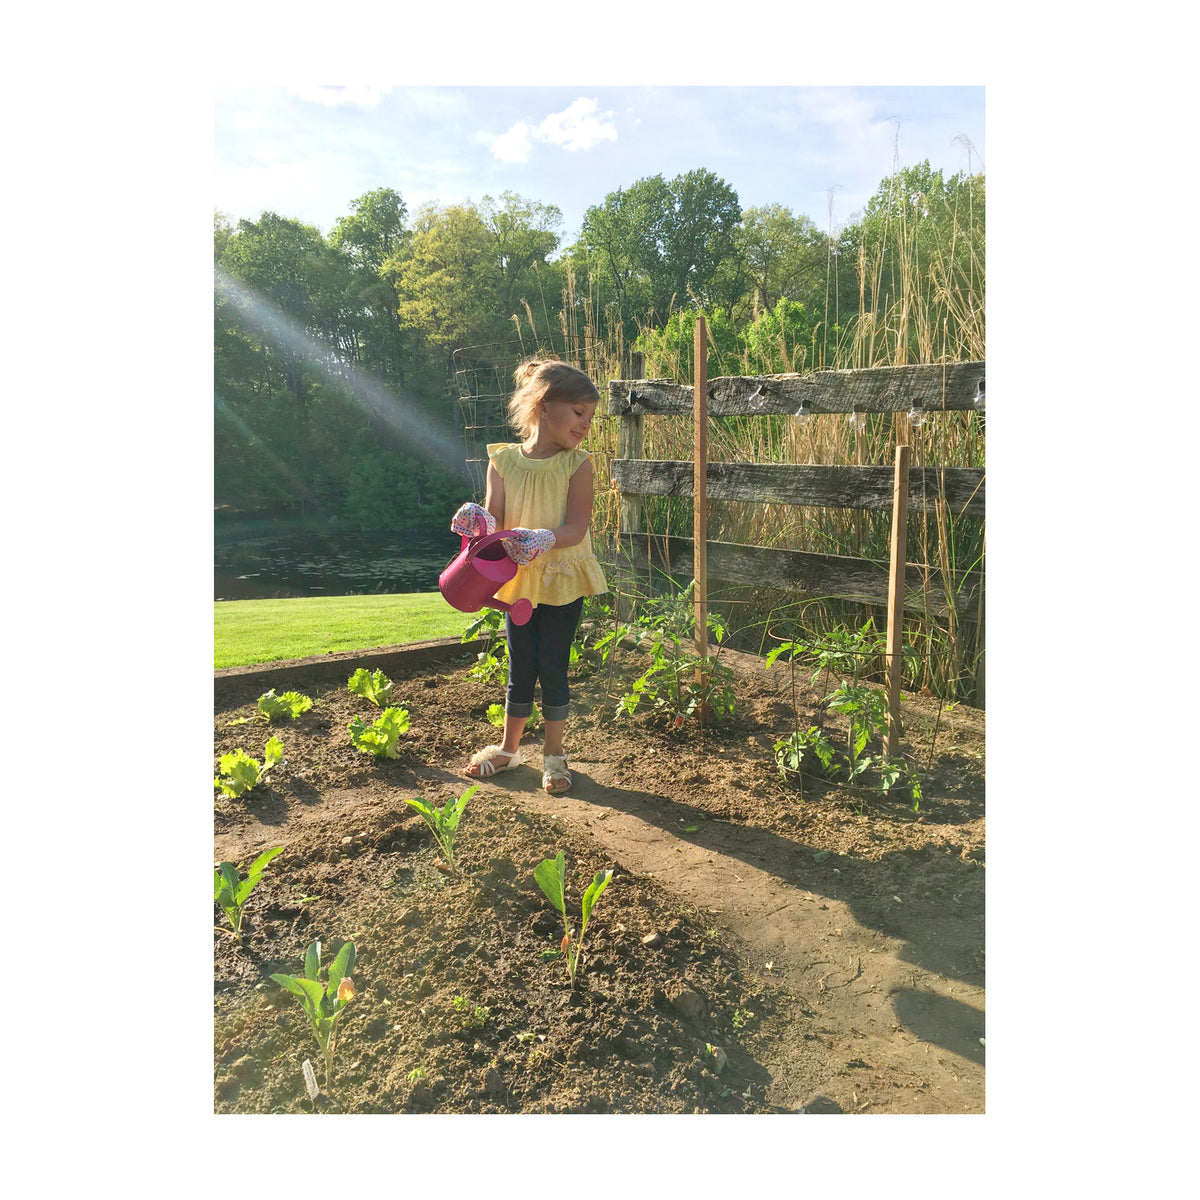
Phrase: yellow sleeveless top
(535,497)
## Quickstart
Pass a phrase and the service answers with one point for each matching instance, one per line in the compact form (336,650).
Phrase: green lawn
(258,631)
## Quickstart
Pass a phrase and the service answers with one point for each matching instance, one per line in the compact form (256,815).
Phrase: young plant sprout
(444,821)
(325,1002)
(272,707)
(373,685)
(551,876)
(382,737)
(231,892)
(240,773)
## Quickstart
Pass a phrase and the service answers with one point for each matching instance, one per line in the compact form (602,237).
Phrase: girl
(542,488)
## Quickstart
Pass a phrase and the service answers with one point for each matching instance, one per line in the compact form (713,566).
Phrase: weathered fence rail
(815,486)
(807,575)
(952,387)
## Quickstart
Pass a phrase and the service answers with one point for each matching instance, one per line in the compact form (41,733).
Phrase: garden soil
(764,946)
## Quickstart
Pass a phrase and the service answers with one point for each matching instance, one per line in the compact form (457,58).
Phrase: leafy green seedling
(551,876)
(444,821)
(240,773)
(382,737)
(893,771)
(495,716)
(272,707)
(231,892)
(325,1002)
(801,747)
(373,685)
(474,1016)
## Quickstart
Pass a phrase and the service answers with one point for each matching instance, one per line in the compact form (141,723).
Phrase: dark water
(272,566)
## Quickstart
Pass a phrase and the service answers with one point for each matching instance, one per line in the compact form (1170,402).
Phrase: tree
(655,244)
(523,231)
(291,296)
(374,231)
(447,281)
(783,255)
(371,237)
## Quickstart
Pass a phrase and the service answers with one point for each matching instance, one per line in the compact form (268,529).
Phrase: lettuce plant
(444,821)
(324,1002)
(272,707)
(382,737)
(374,685)
(551,876)
(240,773)
(231,892)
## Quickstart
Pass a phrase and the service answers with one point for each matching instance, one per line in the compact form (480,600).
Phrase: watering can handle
(480,542)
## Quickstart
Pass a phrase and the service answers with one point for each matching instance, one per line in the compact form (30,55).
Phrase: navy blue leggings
(541,649)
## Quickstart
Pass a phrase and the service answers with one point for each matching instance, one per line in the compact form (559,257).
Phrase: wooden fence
(928,389)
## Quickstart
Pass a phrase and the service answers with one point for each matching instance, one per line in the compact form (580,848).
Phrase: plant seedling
(325,1002)
(382,737)
(272,707)
(474,1016)
(240,773)
(551,876)
(444,821)
(801,746)
(231,892)
(373,685)
(495,716)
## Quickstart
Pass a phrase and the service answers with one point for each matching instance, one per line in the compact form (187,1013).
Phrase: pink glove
(527,544)
(471,520)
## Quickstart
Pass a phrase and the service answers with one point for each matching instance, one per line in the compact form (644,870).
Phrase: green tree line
(334,354)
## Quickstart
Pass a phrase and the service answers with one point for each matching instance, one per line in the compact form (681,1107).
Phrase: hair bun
(528,369)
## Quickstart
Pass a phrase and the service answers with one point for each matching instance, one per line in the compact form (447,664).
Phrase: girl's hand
(471,520)
(526,544)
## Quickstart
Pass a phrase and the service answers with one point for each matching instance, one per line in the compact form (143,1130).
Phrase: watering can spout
(472,579)
(520,610)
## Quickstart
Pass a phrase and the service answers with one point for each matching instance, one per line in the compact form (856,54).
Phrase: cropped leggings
(541,649)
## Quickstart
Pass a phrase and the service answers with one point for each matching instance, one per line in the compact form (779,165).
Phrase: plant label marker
(310,1080)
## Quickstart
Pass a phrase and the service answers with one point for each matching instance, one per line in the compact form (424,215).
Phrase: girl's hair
(539,379)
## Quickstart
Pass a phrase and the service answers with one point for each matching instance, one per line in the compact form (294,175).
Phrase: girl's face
(566,422)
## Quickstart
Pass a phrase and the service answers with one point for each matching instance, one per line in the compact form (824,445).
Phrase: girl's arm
(580,496)
(494,499)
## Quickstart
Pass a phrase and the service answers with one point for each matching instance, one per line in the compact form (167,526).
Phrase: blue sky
(308,151)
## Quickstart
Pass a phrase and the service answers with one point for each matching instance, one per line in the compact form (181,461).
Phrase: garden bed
(764,946)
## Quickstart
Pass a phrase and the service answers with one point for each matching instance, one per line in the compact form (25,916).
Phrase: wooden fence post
(700,501)
(895,627)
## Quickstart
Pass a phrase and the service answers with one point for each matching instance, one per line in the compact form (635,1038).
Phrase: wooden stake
(700,500)
(895,629)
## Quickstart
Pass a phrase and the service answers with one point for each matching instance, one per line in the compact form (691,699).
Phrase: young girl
(542,488)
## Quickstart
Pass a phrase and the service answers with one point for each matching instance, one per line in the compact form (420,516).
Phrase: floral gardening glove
(526,544)
(471,520)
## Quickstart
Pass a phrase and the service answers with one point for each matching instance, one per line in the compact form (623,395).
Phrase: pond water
(275,566)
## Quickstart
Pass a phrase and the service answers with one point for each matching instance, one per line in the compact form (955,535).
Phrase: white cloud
(361,94)
(514,146)
(577,127)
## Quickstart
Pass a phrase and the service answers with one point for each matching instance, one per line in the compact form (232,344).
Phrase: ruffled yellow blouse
(535,497)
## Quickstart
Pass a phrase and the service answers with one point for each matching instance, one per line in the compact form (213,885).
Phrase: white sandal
(554,768)
(485,760)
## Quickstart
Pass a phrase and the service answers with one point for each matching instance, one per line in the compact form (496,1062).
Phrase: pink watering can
(471,581)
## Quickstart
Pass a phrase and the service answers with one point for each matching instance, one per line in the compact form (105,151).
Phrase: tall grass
(920,300)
